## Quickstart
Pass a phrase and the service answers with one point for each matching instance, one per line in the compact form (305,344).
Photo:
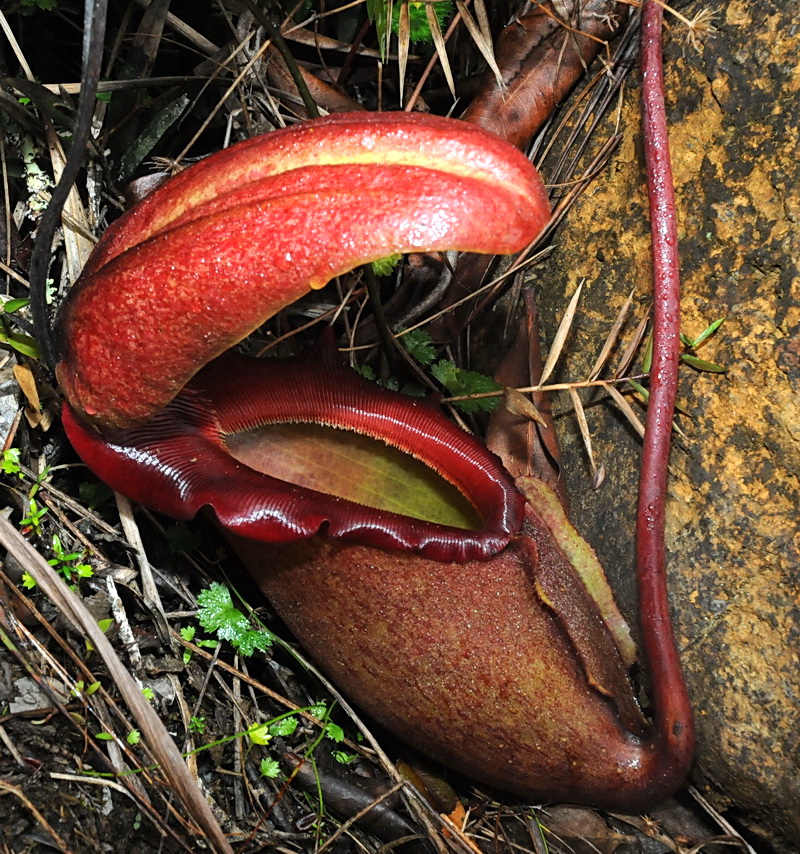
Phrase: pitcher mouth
(283,450)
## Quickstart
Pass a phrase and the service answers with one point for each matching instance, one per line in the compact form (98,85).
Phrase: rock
(734,543)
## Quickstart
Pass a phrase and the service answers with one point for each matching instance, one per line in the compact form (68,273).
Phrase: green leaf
(133,737)
(377,12)
(647,359)
(459,381)
(419,345)
(10,462)
(104,736)
(270,768)
(217,613)
(334,732)
(707,333)
(645,393)
(702,364)
(12,305)
(188,633)
(284,726)
(27,581)
(21,343)
(419,28)
(344,758)
(252,640)
(259,734)
(384,266)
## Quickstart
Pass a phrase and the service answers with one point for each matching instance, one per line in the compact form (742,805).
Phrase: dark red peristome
(178,463)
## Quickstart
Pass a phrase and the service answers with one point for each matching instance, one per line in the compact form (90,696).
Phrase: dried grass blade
(583,425)
(403,43)
(626,408)
(561,335)
(633,346)
(483,20)
(441,49)
(483,43)
(153,729)
(76,245)
(611,339)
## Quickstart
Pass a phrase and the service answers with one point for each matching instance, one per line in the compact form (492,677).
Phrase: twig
(94,33)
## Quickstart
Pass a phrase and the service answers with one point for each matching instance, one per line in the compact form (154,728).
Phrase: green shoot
(691,344)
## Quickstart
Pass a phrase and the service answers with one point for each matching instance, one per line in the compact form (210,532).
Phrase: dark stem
(288,57)
(93,37)
(673,715)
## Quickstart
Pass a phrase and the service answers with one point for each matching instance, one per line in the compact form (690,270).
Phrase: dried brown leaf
(441,49)
(625,408)
(633,346)
(583,426)
(403,43)
(519,404)
(611,339)
(561,335)
(481,37)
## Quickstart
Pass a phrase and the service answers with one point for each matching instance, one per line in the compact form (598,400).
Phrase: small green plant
(458,381)
(9,464)
(689,356)
(270,768)
(33,521)
(385,266)
(188,633)
(70,565)
(197,724)
(218,614)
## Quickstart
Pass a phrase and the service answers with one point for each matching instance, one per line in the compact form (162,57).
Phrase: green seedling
(70,565)
(197,724)
(218,614)
(9,463)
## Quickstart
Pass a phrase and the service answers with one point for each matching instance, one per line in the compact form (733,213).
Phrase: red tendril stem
(671,702)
